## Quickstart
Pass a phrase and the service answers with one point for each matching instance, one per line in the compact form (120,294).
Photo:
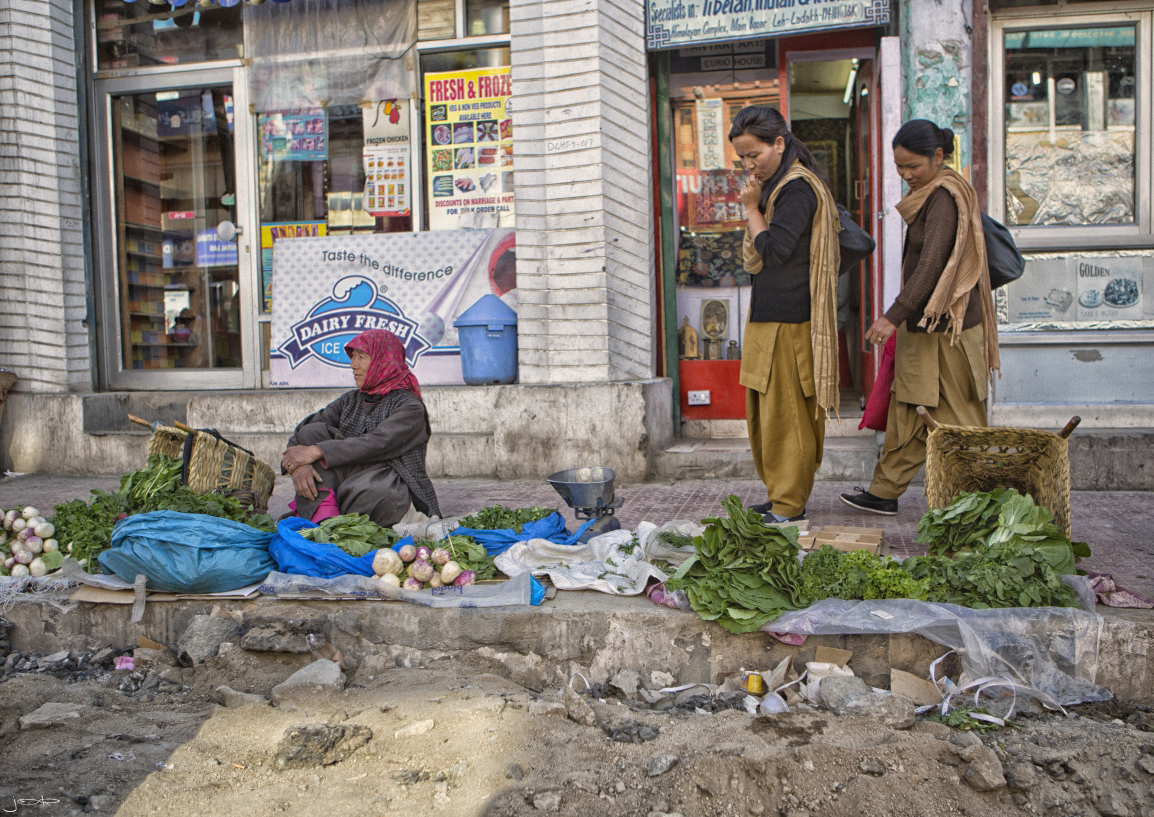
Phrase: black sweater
(781,289)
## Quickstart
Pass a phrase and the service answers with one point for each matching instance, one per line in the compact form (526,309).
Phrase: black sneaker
(763,508)
(863,500)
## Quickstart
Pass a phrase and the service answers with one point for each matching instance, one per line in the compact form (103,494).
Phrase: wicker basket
(215,465)
(982,459)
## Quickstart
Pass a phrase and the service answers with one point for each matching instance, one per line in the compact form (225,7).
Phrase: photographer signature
(26,801)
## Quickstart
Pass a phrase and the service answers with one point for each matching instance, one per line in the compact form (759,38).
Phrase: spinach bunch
(744,572)
(498,517)
(968,520)
(354,533)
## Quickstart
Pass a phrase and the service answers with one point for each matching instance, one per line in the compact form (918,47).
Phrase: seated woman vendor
(365,451)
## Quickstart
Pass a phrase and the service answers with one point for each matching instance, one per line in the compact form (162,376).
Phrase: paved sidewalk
(1119,525)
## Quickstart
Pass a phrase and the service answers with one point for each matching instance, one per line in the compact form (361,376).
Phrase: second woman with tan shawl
(789,361)
(947,342)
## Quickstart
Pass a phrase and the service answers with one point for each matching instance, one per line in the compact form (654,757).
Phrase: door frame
(109,336)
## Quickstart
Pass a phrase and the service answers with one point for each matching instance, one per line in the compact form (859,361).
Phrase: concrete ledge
(509,432)
(578,631)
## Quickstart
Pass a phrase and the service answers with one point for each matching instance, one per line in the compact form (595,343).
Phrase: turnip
(424,553)
(45,530)
(9,518)
(23,556)
(23,535)
(435,581)
(9,562)
(29,512)
(19,524)
(20,572)
(37,568)
(83,562)
(391,579)
(440,557)
(34,521)
(407,553)
(450,571)
(466,577)
(3,536)
(421,570)
(412,584)
(387,561)
(51,546)
(34,544)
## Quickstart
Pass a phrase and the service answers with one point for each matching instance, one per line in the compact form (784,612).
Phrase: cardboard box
(845,538)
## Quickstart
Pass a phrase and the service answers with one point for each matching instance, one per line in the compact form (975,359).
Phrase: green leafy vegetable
(966,521)
(354,533)
(469,554)
(498,517)
(743,573)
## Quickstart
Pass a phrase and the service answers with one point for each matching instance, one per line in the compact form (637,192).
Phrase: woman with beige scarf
(789,360)
(947,342)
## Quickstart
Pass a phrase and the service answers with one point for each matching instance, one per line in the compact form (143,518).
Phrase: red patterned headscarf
(387,370)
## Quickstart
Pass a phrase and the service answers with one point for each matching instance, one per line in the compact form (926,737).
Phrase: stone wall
(585,248)
(42,279)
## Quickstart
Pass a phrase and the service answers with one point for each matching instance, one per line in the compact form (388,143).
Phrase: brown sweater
(929,242)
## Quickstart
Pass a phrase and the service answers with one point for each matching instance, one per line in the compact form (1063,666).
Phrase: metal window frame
(1140,235)
(113,374)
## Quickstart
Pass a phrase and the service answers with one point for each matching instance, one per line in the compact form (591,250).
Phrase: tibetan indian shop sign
(674,23)
(330,289)
(470,155)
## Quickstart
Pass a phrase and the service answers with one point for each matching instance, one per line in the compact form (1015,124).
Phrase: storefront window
(129,35)
(1070,105)
(484,17)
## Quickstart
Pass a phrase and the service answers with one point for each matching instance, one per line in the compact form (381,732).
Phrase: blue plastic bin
(487,334)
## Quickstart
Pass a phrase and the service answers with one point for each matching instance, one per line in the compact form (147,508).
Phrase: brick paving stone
(1117,524)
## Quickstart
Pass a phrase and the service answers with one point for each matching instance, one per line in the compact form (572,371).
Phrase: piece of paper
(832,655)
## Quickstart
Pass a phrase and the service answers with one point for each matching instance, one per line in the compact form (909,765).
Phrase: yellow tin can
(753,683)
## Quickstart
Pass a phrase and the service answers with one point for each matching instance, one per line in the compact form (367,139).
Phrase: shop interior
(826,102)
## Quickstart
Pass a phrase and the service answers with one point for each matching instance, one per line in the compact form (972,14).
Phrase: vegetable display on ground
(498,517)
(354,533)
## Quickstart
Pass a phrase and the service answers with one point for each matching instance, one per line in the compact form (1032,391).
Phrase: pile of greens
(744,572)
(966,521)
(85,529)
(498,517)
(354,533)
(468,553)
(829,573)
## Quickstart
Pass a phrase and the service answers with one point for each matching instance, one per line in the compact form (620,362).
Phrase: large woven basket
(981,459)
(215,465)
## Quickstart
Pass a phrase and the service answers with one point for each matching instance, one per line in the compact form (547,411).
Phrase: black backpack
(1006,263)
(856,244)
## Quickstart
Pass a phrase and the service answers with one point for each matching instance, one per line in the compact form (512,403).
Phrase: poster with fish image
(329,289)
(470,158)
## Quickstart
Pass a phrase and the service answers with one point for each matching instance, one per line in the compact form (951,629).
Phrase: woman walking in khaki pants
(947,343)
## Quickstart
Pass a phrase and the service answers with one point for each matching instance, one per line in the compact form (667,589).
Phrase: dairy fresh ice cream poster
(330,289)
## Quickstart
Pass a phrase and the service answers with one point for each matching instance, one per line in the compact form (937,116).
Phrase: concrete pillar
(936,61)
(42,288)
(585,246)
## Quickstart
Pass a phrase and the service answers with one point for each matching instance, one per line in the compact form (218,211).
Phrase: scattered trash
(122,757)
(124,662)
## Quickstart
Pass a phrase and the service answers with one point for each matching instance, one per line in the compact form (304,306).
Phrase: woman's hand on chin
(297,455)
(305,479)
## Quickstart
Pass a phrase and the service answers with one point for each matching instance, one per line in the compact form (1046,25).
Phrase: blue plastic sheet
(188,552)
(552,527)
(296,555)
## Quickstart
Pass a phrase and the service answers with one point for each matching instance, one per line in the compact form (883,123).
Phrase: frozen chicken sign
(330,289)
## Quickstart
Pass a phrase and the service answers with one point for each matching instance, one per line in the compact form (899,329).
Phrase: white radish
(20,572)
(45,530)
(19,524)
(34,521)
(450,571)
(29,512)
(51,546)
(387,561)
(37,568)
(391,579)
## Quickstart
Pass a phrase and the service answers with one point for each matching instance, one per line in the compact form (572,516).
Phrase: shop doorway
(177,283)
(832,98)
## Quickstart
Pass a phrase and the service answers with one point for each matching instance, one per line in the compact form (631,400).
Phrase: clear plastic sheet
(1052,649)
(600,564)
(320,53)
(516,591)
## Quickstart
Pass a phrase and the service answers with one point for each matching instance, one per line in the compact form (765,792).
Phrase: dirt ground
(157,742)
